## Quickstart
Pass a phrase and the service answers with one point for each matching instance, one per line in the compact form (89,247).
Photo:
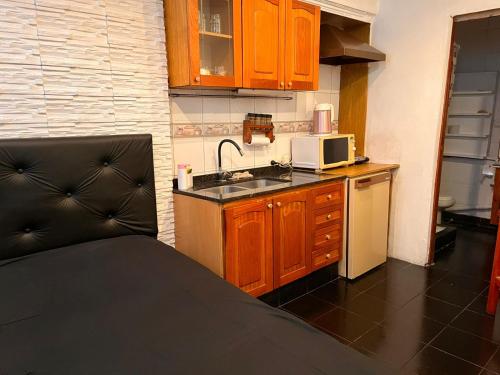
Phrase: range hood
(338,47)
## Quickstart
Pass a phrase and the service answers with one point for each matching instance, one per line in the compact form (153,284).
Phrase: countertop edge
(256,194)
(337,174)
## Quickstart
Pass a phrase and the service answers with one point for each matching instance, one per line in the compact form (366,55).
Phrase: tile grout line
(448,325)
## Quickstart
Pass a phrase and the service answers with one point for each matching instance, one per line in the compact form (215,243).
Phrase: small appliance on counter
(323,116)
(323,151)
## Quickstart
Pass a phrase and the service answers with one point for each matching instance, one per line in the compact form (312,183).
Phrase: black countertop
(290,180)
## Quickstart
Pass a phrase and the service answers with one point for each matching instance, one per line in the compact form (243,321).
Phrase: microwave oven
(323,151)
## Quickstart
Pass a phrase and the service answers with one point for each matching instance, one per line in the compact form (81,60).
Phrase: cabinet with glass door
(204,42)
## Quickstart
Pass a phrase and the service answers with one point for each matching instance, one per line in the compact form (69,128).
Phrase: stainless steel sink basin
(226,189)
(259,183)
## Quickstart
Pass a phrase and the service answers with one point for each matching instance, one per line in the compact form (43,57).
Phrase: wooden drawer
(326,255)
(327,216)
(328,195)
(327,236)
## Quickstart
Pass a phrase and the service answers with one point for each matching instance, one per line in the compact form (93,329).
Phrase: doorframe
(442,133)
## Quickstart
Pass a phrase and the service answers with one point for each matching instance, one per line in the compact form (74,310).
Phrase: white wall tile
(186,110)
(267,106)
(321,97)
(240,107)
(325,78)
(216,110)
(210,146)
(305,106)
(264,154)
(245,161)
(283,146)
(336,78)
(190,151)
(286,109)
(334,99)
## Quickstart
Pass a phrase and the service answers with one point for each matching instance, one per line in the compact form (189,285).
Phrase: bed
(86,288)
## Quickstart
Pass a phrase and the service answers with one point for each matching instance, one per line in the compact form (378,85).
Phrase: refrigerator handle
(368,181)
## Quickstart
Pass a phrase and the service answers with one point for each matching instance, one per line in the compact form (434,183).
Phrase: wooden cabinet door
(263,43)
(249,246)
(302,46)
(292,258)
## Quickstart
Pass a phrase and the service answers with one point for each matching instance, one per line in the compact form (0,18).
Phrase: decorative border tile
(237,128)
(285,127)
(218,129)
(187,130)
(228,129)
(303,126)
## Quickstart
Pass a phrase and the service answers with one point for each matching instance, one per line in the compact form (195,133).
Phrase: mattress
(132,305)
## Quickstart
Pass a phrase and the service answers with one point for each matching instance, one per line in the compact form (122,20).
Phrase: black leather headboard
(61,191)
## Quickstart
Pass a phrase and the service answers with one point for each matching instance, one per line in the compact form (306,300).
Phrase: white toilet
(444,203)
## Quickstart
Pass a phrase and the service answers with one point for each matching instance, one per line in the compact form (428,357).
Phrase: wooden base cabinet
(291,258)
(249,246)
(264,242)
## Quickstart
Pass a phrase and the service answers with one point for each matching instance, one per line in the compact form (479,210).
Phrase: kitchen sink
(259,183)
(242,186)
(226,189)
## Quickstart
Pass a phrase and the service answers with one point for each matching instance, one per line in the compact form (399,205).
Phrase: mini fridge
(367,223)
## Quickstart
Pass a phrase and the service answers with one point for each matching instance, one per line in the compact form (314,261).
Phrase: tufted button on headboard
(61,191)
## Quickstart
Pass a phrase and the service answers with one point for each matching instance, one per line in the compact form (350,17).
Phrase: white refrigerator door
(368,221)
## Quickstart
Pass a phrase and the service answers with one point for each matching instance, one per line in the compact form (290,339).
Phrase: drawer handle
(328,256)
(278,204)
(329,216)
(329,196)
(269,205)
(328,237)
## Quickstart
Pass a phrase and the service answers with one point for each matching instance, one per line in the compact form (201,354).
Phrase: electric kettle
(322,118)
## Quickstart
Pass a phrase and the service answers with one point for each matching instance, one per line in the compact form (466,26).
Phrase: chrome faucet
(219,158)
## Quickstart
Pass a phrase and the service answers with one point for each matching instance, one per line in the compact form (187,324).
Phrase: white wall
(199,124)
(88,67)
(405,103)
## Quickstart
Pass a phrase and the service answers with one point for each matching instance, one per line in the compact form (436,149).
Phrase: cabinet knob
(329,216)
(269,205)
(290,84)
(329,196)
(328,236)
(278,204)
(328,256)
(282,84)
(197,79)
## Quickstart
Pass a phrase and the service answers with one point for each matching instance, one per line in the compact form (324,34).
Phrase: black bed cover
(132,305)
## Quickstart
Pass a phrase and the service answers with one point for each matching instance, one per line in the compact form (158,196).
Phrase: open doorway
(470,136)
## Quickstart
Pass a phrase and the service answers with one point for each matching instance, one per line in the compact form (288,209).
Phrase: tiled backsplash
(200,123)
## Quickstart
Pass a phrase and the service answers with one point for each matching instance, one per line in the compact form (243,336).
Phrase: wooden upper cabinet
(266,44)
(249,246)
(280,44)
(263,43)
(291,249)
(302,46)
(203,43)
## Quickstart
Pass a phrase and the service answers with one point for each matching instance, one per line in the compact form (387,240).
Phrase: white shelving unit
(470,115)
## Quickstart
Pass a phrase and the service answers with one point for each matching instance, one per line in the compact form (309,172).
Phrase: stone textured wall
(88,67)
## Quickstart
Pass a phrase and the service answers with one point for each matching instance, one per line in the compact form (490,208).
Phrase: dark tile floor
(416,320)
